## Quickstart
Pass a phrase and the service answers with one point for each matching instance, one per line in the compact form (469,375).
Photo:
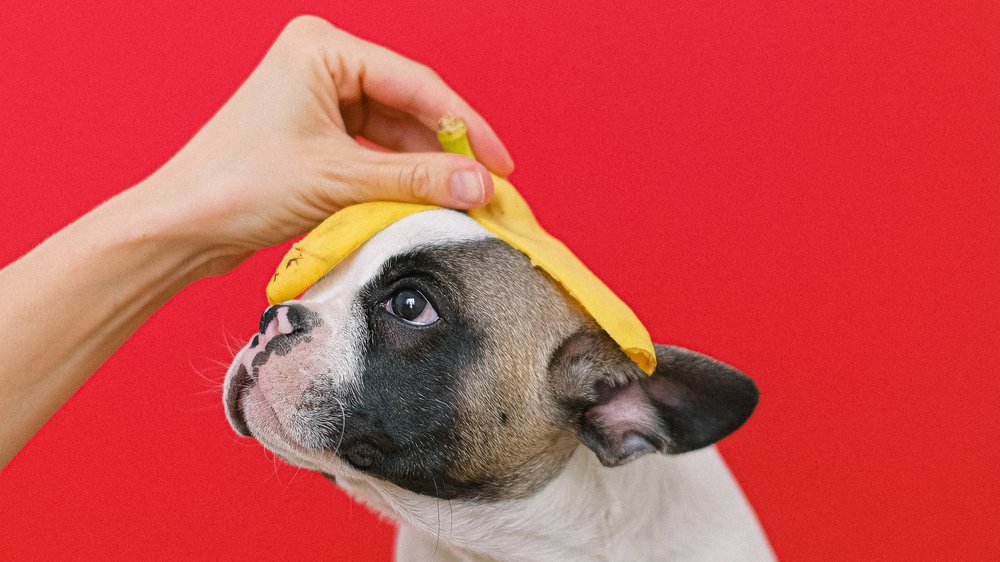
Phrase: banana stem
(453,136)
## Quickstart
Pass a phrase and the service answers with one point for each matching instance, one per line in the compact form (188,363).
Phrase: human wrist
(162,218)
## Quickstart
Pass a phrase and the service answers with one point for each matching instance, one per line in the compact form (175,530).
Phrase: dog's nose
(282,319)
(270,321)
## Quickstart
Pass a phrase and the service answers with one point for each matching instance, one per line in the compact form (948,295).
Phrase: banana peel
(507,216)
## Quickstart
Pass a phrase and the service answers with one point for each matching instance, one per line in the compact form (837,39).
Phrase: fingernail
(467,186)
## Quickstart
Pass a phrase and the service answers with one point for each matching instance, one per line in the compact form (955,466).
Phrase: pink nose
(279,324)
(274,322)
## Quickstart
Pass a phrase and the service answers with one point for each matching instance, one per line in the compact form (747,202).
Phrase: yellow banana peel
(507,216)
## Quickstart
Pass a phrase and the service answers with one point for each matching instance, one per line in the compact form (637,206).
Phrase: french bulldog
(439,378)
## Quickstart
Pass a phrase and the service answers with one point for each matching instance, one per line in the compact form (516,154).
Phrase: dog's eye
(412,307)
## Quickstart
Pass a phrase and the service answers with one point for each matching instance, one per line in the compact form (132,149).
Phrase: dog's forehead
(423,229)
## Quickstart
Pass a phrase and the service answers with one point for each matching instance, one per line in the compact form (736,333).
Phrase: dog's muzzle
(275,323)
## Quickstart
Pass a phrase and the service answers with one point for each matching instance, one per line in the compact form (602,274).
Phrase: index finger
(409,86)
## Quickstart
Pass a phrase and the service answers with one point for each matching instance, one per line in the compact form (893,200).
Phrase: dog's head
(438,360)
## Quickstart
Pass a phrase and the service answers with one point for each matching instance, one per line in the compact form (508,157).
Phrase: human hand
(280,155)
(274,162)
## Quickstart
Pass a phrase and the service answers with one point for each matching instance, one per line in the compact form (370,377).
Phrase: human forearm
(277,159)
(72,301)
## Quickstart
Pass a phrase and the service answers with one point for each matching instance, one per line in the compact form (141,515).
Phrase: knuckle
(305,24)
(427,71)
(418,179)
(304,33)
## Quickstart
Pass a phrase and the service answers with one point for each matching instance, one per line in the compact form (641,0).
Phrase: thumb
(450,180)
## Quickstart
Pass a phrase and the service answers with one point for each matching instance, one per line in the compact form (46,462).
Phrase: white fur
(684,507)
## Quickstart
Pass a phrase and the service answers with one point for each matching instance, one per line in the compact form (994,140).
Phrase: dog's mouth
(266,396)
(243,395)
(244,399)
(237,386)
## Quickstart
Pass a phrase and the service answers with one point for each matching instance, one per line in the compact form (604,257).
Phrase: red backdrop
(808,192)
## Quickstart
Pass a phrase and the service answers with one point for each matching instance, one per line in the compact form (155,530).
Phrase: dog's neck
(651,508)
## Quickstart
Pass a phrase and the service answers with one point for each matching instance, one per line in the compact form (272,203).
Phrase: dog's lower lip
(241,381)
(239,422)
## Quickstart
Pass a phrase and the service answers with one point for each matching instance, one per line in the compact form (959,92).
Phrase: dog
(439,378)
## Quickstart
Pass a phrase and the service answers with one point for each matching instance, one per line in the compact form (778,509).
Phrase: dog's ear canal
(689,402)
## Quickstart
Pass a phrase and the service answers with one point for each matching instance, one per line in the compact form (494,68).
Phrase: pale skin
(278,158)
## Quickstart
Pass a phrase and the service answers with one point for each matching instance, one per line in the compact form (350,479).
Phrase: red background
(808,192)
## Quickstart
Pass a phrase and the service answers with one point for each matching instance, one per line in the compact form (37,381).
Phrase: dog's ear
(689,402)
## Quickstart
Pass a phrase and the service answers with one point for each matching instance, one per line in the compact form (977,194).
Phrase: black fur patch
(400,425)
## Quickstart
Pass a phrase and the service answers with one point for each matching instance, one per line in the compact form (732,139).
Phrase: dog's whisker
(437,503)
(229,345)
(217,391)
(206,379)
(224,365)
(271,456)
(292,479)
(202,409)
(231,340)
(343,423)
(451,520)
